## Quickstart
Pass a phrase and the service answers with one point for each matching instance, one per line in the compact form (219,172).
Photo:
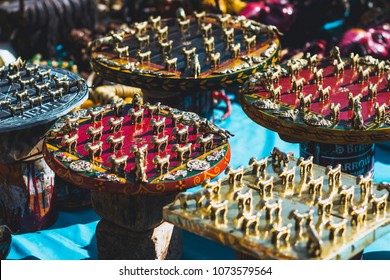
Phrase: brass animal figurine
(155,22)
(195,67)
(160,144)
(235,49)
(335,112)
(188,55)
(297,85)
(44,73)
(235,175)
(95,134)
(215,59)
(184,26)
(162,34)
(318,75)
(140,28)
(199,17)
(324,92)
(304,101)
(95,114)
(158,126)
(206,30)
(33,100)
(206,143)
(224,20)
(363,74)
(110,41)
(115,124)
(140,167)
(312,60)
(353,99)
(181,135)
(209,45)
(143,41)
(228,36)
(41,88)
(166,48)
(279,158)
(380,111)
(170,63)
(118,164)
(70,142)
(116,144)
(338,67)
(259,167)
(122,51)
(250,42)
(275,93)
(144,56)
(372,90)
(94,150)
(183,153)
(54,93)
(162,164)
(135,116)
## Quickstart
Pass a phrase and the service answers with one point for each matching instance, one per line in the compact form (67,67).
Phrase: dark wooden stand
(132,227)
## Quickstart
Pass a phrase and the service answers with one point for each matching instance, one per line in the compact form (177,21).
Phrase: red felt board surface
(341,131)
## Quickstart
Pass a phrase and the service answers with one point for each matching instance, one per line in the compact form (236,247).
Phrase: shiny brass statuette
(280,207)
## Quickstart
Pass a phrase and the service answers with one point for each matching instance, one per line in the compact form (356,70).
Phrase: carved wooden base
(27,201)
(354,159)
(132,227)
(199,102)
(163,242)
(134,212)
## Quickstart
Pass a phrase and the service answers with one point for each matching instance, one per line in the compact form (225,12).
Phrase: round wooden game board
(152,74)
(30,102)
(36,114)
(367,122)
(78,167)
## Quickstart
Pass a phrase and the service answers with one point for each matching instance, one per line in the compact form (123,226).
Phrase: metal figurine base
(354,159)
(132,227)
(280,207)
(197,101)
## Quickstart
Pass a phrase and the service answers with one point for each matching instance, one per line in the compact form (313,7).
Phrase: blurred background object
(40,26)
(374,41)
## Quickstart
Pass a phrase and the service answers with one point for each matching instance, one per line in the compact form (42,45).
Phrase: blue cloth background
(73,235)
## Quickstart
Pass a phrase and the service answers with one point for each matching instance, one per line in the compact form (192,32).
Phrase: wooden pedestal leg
(354,159)
(199,102)
(27,201)
(71,197)
(132,227)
